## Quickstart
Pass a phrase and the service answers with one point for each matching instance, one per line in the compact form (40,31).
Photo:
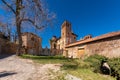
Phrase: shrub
(115,66)
(95,62)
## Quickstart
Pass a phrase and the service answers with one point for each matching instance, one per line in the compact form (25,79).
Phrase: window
(74,37)
(32,39)
(54,46)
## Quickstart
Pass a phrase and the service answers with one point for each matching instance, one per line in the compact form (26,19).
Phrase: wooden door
(81,52)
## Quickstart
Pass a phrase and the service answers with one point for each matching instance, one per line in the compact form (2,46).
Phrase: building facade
(57,45)
(106,45)
(31,43)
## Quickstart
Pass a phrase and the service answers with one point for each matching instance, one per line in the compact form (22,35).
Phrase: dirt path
(14,68)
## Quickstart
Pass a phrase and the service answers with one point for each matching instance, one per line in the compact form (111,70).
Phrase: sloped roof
(74,34)
(104,36)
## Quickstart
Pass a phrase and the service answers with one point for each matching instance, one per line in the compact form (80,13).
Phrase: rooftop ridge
(104,36)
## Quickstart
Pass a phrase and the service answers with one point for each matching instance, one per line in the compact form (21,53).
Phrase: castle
(31,43)
(57,45)
(107,44)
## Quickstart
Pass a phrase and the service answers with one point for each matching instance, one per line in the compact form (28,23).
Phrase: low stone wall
(45,52)
(72,52)
(0,49)
(49,52)
(109,47)
(8,48)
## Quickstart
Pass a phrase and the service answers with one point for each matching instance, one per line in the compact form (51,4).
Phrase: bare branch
(29,20)
(31,11)
(38,4)
(8,5)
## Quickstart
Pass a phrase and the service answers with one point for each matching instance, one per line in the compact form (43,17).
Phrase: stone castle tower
(65,33)
(67,37)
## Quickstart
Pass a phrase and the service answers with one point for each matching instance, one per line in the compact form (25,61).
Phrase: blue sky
(94,17)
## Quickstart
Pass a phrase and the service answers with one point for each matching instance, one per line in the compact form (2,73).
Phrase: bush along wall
(115,67)
(112,65)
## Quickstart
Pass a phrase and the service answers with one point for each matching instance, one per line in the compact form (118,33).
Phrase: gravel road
(15,68)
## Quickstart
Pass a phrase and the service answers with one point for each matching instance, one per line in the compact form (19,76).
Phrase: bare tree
(31,11)
(14,37)
(5,30)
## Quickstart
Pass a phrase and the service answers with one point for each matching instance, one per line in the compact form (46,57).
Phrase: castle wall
(31,44)
(109,47)
(7,47)
(0,44)
(72,52)
(0,49)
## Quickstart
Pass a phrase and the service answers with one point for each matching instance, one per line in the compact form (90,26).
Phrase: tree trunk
(18,25)
(19,40)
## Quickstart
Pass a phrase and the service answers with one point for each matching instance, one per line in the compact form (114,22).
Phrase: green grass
(57,75)
(87,69)
(47,59)
(87,74)
(115,65)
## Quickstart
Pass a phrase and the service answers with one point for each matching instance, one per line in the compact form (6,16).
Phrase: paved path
(15,68)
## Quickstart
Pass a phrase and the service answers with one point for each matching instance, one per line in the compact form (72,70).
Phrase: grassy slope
(87,74)
(76,67)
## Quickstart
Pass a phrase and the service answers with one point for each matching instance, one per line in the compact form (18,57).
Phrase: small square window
(32,38)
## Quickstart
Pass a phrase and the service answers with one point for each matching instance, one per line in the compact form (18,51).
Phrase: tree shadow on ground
(6,73)
(2,56)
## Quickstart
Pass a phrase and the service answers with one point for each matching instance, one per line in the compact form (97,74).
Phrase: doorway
(81,52)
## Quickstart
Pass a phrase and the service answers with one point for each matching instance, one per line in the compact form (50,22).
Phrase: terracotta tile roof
(104,36)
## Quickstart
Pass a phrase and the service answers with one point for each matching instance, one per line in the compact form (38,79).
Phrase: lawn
(85,69)
(47,59)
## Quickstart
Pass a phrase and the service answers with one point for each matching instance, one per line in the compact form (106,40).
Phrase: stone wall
(0,45)
(45,52)
(108,47)
(0,49)
(72,52)
(31,43)
(9,48)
